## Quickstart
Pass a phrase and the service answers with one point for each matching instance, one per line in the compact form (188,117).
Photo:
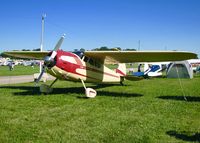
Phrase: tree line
(105,48)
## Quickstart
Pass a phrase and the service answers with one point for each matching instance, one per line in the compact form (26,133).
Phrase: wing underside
(109,57)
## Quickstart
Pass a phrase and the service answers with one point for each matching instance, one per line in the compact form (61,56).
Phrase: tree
(82,50)
(103,48)
(130,49)
(38,49)
(75,50)
(118,48)
(25,50)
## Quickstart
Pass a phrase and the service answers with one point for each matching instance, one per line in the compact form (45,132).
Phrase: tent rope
(180,83)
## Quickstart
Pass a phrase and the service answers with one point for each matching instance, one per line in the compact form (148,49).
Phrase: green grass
(18,70)
(152,110)
(28,70)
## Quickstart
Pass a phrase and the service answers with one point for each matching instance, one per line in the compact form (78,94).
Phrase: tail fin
(121,69)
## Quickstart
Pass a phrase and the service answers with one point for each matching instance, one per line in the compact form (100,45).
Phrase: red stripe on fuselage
(120,72)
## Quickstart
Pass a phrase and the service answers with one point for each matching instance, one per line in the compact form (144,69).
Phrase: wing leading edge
(27,54)
(109,57)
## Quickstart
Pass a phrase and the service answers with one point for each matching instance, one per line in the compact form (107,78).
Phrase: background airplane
(90,66)
(194,63)
(151,69)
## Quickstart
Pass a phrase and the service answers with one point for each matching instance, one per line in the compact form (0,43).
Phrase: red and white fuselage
(70,66)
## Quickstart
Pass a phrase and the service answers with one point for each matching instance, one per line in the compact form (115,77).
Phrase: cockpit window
(79,53)
(91,61)
(85,59)
(94,63)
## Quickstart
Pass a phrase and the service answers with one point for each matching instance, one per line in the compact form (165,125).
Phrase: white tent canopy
(180,69)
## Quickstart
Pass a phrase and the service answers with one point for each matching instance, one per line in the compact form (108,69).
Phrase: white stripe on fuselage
(69,59)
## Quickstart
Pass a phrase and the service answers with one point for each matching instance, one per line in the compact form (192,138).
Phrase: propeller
(49,60)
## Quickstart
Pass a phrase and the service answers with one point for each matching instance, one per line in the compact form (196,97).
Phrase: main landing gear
(89,92)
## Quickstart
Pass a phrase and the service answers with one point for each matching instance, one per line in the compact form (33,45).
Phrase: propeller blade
(59,43)
(40,76)
(54,53)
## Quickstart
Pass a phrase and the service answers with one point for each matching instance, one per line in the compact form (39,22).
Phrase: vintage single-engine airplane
(90,66)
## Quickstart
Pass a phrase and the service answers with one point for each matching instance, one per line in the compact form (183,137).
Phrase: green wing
(109,57)
(27,54)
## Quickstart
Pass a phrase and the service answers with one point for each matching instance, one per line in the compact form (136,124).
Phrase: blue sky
(88,24)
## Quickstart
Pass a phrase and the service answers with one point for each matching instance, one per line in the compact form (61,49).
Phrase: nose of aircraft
(49,62)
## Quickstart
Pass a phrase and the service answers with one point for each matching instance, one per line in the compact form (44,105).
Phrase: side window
(98,65)
(91,61)
(85,59)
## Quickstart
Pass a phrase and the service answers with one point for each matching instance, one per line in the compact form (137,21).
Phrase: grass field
(28,70)
(18,70)
(152,110)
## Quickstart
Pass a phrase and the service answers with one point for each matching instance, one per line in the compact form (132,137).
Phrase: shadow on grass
(32,90)
(113,94)
(181,98)
(26,90)
(195,137)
